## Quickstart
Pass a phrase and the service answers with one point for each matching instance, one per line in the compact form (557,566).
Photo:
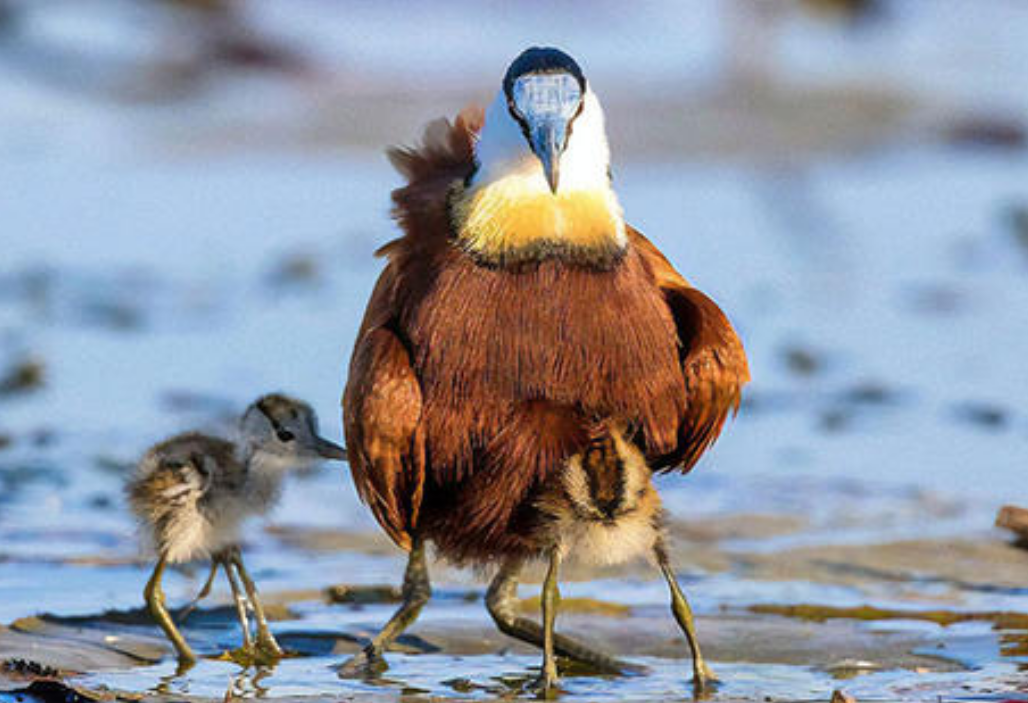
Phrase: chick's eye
(285,436)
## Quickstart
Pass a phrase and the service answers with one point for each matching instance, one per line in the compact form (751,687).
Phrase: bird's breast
(487,340)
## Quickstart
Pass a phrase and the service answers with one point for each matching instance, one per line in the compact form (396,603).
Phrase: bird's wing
(713,360)
(381,415)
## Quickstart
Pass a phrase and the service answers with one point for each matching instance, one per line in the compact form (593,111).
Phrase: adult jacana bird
(527,360)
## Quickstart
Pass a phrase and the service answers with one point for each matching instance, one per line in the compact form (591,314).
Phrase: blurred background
(190,195)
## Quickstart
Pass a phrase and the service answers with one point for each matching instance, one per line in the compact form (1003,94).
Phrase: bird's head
(545,122)
(283,432)
(542,166)
(544,91)
(606,485)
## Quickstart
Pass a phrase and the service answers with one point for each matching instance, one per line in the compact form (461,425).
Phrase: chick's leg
(241,603)
(154,596)
(549,601)
(266,644)
(203,593)
(703,677)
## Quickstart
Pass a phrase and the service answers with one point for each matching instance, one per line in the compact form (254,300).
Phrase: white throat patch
(502,150)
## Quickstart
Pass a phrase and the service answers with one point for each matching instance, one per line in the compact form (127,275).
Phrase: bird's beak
(548,142)
(328,450)
(547,103)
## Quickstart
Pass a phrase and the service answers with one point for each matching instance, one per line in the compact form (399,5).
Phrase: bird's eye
(285,436)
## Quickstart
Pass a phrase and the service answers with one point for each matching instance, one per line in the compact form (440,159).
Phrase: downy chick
(193,492)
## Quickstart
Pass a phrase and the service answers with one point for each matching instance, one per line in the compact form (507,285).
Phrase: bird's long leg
(549,600)
(501,601)
(266,643)
(240,600)
(703,677)
(416,592)
(155,602)
(203,593)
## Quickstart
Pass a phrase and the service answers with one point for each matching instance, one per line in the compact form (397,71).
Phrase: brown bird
(192,493)
(527,360)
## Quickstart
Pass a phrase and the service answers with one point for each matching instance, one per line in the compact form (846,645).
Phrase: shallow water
(165,263)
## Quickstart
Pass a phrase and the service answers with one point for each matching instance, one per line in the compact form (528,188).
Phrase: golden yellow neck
(509,220)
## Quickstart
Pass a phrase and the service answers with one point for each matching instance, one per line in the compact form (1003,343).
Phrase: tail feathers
(167,499)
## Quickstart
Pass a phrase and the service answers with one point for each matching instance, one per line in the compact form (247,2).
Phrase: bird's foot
(547,686)
(185,663)
(267,649)
(254,655)
(362,665)
(244,656)
(267,652)
(704,682)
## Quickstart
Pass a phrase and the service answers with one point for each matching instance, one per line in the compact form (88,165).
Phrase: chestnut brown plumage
(473,382)
(495,373)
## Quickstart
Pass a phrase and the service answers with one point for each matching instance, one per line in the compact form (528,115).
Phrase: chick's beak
(328,450)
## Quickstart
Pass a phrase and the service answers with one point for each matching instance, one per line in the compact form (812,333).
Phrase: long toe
(362,665)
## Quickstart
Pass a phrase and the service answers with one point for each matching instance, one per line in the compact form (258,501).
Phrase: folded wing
(712,356)
(381,414)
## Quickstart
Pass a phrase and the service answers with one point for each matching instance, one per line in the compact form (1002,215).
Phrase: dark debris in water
(834,420)
(363,595)
(112,464)
(871,393)
(16,475)
(47,691)
(993,131)
(581,606)
(802,361)
(937,298)
(1017,220)
(28,668)
(210,616)
(117,315)
(22,377)
(295,270)
(821,613)
(1014,644)
(987,416)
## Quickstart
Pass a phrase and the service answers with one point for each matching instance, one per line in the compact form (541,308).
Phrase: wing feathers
(713,360)
(382,411)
